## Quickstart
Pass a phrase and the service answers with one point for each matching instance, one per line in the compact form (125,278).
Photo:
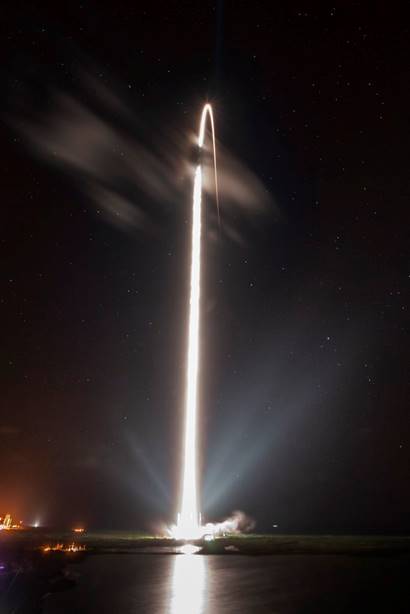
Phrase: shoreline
(126,542)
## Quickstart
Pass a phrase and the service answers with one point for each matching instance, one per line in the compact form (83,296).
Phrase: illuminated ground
(126,541)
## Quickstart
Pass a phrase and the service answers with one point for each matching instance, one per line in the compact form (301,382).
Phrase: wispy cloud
(130,175)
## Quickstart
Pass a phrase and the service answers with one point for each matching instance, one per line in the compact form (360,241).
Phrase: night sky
(304,395)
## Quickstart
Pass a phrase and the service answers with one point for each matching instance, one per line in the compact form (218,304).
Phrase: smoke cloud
(238,522)
(128,175)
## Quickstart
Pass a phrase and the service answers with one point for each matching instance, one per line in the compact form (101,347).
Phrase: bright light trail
(189,518)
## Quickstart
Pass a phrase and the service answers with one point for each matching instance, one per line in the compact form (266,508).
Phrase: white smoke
(238,522)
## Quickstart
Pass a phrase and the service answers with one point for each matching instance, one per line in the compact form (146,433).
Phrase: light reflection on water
(188,585)
(233,584)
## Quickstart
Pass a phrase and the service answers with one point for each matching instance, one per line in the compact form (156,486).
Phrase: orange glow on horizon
(7,523)
(62,548)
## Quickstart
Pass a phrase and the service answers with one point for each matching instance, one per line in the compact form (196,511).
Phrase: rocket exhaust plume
(189,525)
(189,518)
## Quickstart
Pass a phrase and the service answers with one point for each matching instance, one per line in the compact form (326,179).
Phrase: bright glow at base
(188,524)
(189,549)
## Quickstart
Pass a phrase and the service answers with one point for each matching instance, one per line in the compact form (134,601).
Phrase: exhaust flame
(189,519)
(188,524)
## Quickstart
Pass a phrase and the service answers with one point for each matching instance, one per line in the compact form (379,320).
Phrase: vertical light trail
(189,521)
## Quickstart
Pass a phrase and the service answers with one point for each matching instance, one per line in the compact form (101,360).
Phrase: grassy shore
(127,542)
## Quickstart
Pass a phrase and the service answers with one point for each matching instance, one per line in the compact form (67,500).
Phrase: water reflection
(188,589)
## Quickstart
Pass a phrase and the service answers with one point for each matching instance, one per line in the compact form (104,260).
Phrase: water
(234,584)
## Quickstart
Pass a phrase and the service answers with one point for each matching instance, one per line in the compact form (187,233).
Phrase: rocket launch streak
(189,522)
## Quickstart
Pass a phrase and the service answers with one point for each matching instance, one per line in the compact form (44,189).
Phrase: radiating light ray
(189,522)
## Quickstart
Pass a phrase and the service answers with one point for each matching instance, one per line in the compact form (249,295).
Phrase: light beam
(188,524)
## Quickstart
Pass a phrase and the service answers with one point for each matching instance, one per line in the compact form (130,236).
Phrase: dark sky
(304,414)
